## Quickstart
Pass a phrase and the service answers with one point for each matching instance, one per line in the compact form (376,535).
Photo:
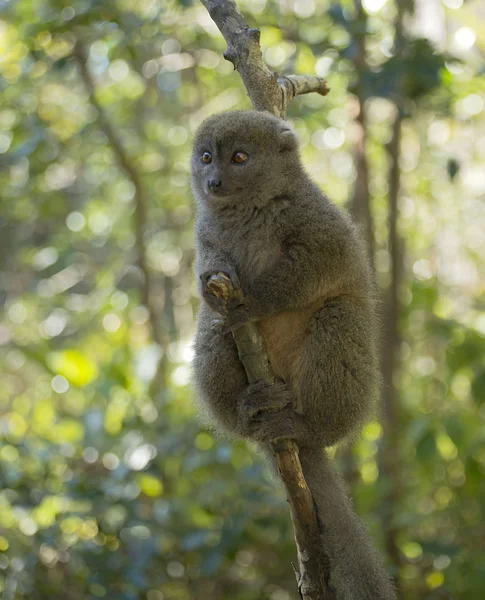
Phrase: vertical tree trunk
(390,445)
(390,448)
(360,204)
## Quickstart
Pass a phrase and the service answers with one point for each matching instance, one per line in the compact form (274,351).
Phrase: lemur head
(242,156)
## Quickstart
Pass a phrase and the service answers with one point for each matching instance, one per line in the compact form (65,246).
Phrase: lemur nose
(214,184)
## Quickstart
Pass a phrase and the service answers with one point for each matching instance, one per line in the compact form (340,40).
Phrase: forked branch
(265,88)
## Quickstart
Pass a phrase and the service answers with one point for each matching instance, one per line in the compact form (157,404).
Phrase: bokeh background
(110,487)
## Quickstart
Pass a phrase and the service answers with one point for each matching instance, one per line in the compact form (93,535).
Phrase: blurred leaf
(77,368)
(413,73)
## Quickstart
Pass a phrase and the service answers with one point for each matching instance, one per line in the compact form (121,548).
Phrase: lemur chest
(253,236)
(283,335)
(253,252)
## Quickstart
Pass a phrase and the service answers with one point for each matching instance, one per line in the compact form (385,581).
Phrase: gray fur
(303,267)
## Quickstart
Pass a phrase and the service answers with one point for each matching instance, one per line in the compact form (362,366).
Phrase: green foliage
(412,73)
(110,488)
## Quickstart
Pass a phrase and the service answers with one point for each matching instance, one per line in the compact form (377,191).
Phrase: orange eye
(207,158)
(239,157)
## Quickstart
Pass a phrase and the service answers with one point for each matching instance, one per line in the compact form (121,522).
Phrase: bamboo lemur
(308,284)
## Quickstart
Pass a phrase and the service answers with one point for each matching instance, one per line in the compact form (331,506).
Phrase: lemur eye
(239,157)
(207,158)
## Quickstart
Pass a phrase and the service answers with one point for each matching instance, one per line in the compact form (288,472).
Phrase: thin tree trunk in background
(360,204)
(390,444)
(81,54)
(390,462)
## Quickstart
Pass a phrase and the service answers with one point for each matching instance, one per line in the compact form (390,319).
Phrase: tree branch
(266,90)
(271,93)
(314,567)
(140,198)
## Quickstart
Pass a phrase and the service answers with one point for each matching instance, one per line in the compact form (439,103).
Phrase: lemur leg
(336,381)
(219,376)
(334,387)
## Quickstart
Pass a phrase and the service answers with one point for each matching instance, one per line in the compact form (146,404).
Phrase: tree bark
(266,90)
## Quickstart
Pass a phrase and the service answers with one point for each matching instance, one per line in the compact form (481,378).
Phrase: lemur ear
(287,137)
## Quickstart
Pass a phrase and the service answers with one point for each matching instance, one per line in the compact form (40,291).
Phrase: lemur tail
(357,571)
